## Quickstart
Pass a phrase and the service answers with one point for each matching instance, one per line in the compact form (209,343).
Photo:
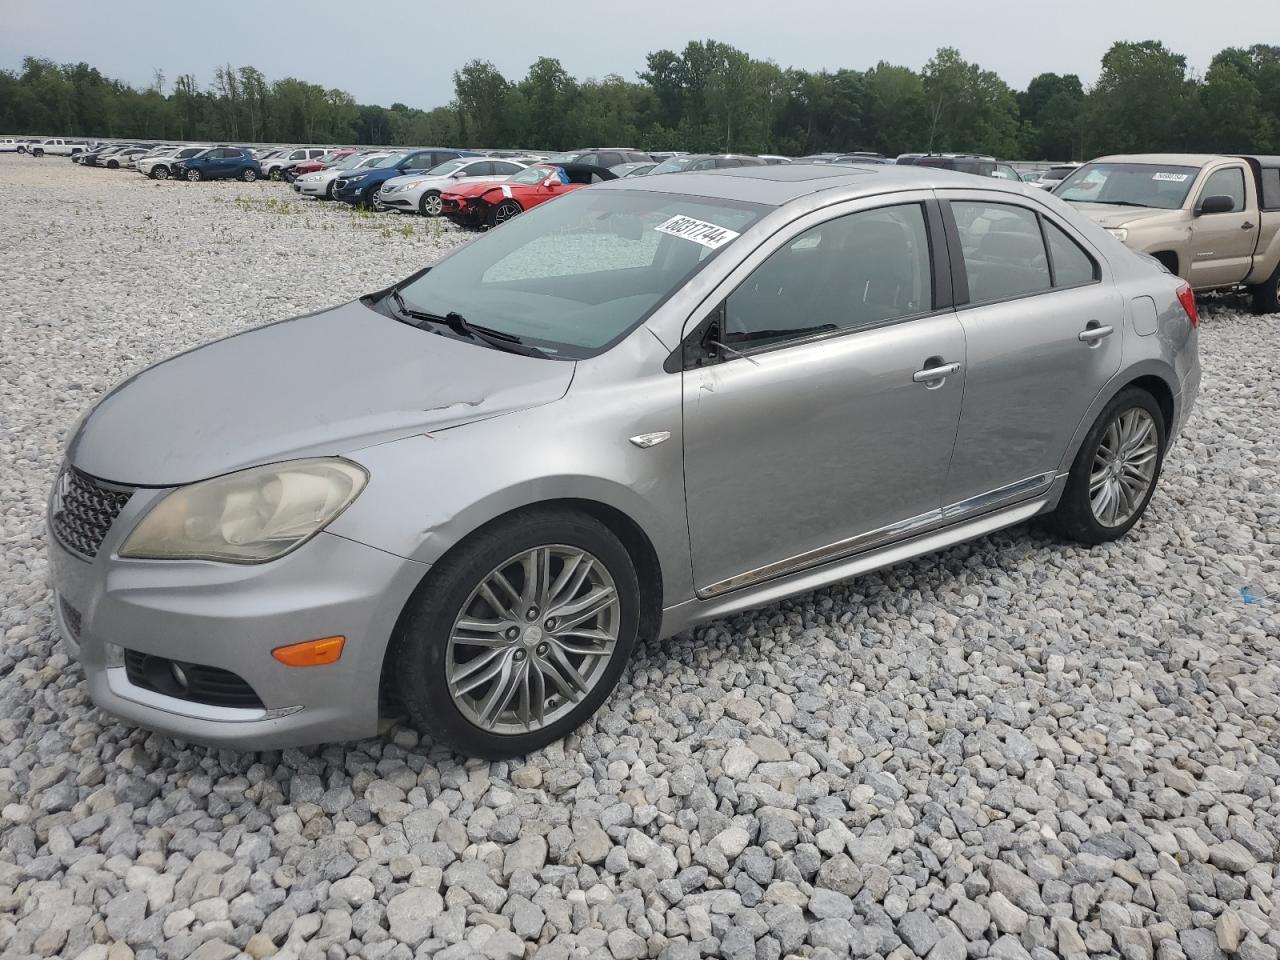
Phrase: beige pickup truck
(1212,220)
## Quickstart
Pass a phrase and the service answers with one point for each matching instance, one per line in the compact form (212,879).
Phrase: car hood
(1109,215)
(322,384)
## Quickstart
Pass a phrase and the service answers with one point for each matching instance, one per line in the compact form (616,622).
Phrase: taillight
(1187,297)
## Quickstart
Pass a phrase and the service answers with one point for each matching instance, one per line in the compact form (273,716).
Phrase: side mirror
(551,182)
(1219,203)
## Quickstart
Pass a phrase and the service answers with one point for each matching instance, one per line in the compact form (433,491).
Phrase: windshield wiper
(1116,203)
(459,324)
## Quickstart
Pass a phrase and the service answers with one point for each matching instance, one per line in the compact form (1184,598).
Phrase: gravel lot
(1011,749)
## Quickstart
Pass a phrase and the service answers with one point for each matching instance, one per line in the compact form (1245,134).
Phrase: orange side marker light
(310,653)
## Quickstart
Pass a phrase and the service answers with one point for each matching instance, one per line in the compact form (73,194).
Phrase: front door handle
(1095,333)
(931,375)
(1246,225)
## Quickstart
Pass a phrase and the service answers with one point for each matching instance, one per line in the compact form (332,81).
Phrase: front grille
(84,509)
(339,184)
(71,617)
(189,681)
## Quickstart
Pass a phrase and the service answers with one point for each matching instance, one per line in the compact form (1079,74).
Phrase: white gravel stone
(1016,748)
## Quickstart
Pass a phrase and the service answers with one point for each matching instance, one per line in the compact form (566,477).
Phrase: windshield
(674,165)
(349,162)
(565,157)
(446,168)
(577,274)
(1158,185)
(391,161)
(532,175)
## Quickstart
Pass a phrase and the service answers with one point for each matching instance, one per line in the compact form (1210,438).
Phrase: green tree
(1141,102)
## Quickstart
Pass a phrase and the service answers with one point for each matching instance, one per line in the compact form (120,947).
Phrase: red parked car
(489,204)
(319,163)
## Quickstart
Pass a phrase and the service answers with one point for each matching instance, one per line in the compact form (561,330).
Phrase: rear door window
(1003,250)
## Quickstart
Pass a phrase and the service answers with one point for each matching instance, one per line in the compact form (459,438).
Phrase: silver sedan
(648,403)
(320,183)
(421,191)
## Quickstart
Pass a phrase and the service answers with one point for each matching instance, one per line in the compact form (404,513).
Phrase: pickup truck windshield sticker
(1171,177)
(699,231)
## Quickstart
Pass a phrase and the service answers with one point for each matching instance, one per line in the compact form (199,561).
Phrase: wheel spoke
(537,573)
(583,608)
(570,579)
(601,647)
(476,672)
(503,690)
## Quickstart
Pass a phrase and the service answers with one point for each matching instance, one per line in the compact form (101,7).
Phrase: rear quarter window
(1271,189)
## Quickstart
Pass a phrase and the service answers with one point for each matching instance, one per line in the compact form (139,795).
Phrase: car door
(810,433)
(1043,327)
(1222,244)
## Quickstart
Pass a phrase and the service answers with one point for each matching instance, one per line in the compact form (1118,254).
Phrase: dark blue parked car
(219,163)
(362,186)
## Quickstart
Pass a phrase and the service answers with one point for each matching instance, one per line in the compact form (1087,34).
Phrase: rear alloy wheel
(504,212)
(328,190)
(249,175)
(371,199)
(193,175)
(159,172)
(1115,472)
(430,205)
(274,173)
(518,636)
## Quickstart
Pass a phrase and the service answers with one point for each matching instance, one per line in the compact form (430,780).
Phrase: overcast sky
(407,50)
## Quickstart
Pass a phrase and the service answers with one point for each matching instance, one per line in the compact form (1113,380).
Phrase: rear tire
(1266,295)
(249,175)
(113,165)
(1111,460)
(370,197)
(423,657)
(274,174)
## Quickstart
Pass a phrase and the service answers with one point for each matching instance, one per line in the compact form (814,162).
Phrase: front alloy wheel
(431,205)
(504,212)
(517,636)
(160,172)
(275,174)
(193,175)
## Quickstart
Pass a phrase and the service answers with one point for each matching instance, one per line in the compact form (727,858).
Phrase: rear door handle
(930,374)
(1092,335)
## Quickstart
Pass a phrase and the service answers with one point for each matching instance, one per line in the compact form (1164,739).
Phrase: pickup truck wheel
(1266,295)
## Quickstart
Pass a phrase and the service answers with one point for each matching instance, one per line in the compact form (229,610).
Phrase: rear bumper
(231,617)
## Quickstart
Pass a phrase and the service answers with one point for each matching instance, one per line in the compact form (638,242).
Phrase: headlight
(1120,233)
(357,179)
(247,517)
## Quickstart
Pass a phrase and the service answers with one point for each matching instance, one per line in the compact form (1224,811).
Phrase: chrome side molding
(881,536)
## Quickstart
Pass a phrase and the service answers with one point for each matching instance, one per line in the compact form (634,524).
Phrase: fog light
(310,653)
(179,675)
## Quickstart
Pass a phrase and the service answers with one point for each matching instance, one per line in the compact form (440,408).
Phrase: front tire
(1266,295)
(193,175)
(431,205)
(504,212)
(113,165)
(518,636)
(1116,471)
(159,172)
(274,174)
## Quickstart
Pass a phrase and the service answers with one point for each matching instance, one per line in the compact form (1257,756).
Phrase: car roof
(1178,159)
(780,184)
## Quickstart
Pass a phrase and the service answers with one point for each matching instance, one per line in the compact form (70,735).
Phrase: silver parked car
(320,183)
(421,191)
(644,404)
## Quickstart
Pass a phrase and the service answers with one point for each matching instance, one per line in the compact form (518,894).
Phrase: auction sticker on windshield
(1171,177)
(699,231)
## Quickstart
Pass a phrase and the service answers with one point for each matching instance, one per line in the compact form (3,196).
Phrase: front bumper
(231,616)
(400,200)
(312,188)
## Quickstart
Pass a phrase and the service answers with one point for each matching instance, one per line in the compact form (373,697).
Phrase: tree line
(708,97)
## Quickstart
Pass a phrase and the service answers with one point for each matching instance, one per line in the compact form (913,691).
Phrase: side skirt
(675,619)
